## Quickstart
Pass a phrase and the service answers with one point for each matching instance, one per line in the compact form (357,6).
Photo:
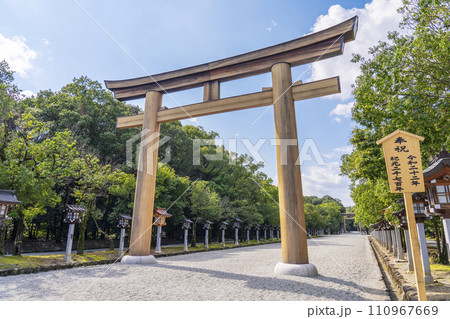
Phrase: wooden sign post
(404,167)
(278,60)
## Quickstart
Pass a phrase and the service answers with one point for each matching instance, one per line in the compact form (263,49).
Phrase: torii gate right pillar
(292,215)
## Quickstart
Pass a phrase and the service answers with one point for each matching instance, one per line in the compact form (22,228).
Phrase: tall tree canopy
(404,85)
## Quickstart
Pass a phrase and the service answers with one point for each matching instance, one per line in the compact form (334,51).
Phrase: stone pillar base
(401,261)
(428,280)
(142,260)
(302,270)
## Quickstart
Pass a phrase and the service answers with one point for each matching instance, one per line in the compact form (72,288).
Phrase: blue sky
(48,43)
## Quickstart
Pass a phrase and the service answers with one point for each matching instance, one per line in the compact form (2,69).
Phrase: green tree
(204,205)
(331,213)
(172,193)
(404,85)
(313,219)
(95,181)
(89,112)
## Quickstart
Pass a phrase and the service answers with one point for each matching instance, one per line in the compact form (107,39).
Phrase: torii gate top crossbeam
(313,47)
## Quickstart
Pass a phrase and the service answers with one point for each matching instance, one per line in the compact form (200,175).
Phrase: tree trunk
(111,240)
(194,233)
(14,231)
(81,236)
(3,230)
(436,234)
(19,236)
(444,255)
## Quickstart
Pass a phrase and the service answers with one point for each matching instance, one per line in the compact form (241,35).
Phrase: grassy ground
(201,246)
(440,271)
(9,262)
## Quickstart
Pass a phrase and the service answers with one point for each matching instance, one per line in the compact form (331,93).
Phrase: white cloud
(46,42)
(325,180)
(273,24)
(342,110)
(375,20)
(27,93)
(17,53)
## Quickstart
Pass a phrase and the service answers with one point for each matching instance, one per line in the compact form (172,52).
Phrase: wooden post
(415,249)
(292,216)
(211,90)
(141,229)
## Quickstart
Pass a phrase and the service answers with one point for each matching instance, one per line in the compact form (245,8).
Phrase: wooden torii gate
(276,59)
(347,216)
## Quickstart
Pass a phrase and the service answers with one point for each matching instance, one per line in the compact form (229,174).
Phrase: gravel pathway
(346,264)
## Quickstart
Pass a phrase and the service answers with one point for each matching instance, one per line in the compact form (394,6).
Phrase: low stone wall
(402,290)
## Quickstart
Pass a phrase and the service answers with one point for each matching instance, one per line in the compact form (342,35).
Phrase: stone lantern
(403,223)
(437,184)
(187,223)
(398,249)
(206,226)
(223,227)
(160,215)
(72,216)
(419,202)
(247,230)
(236,222)
(123,222)
(257,228)
(7,199)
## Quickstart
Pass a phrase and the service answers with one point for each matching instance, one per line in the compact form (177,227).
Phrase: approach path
(346,264)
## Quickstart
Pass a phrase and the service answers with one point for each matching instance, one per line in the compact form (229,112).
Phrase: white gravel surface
(346,264)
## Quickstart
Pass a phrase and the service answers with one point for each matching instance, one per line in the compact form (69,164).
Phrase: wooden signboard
(403,162)
(404,167)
